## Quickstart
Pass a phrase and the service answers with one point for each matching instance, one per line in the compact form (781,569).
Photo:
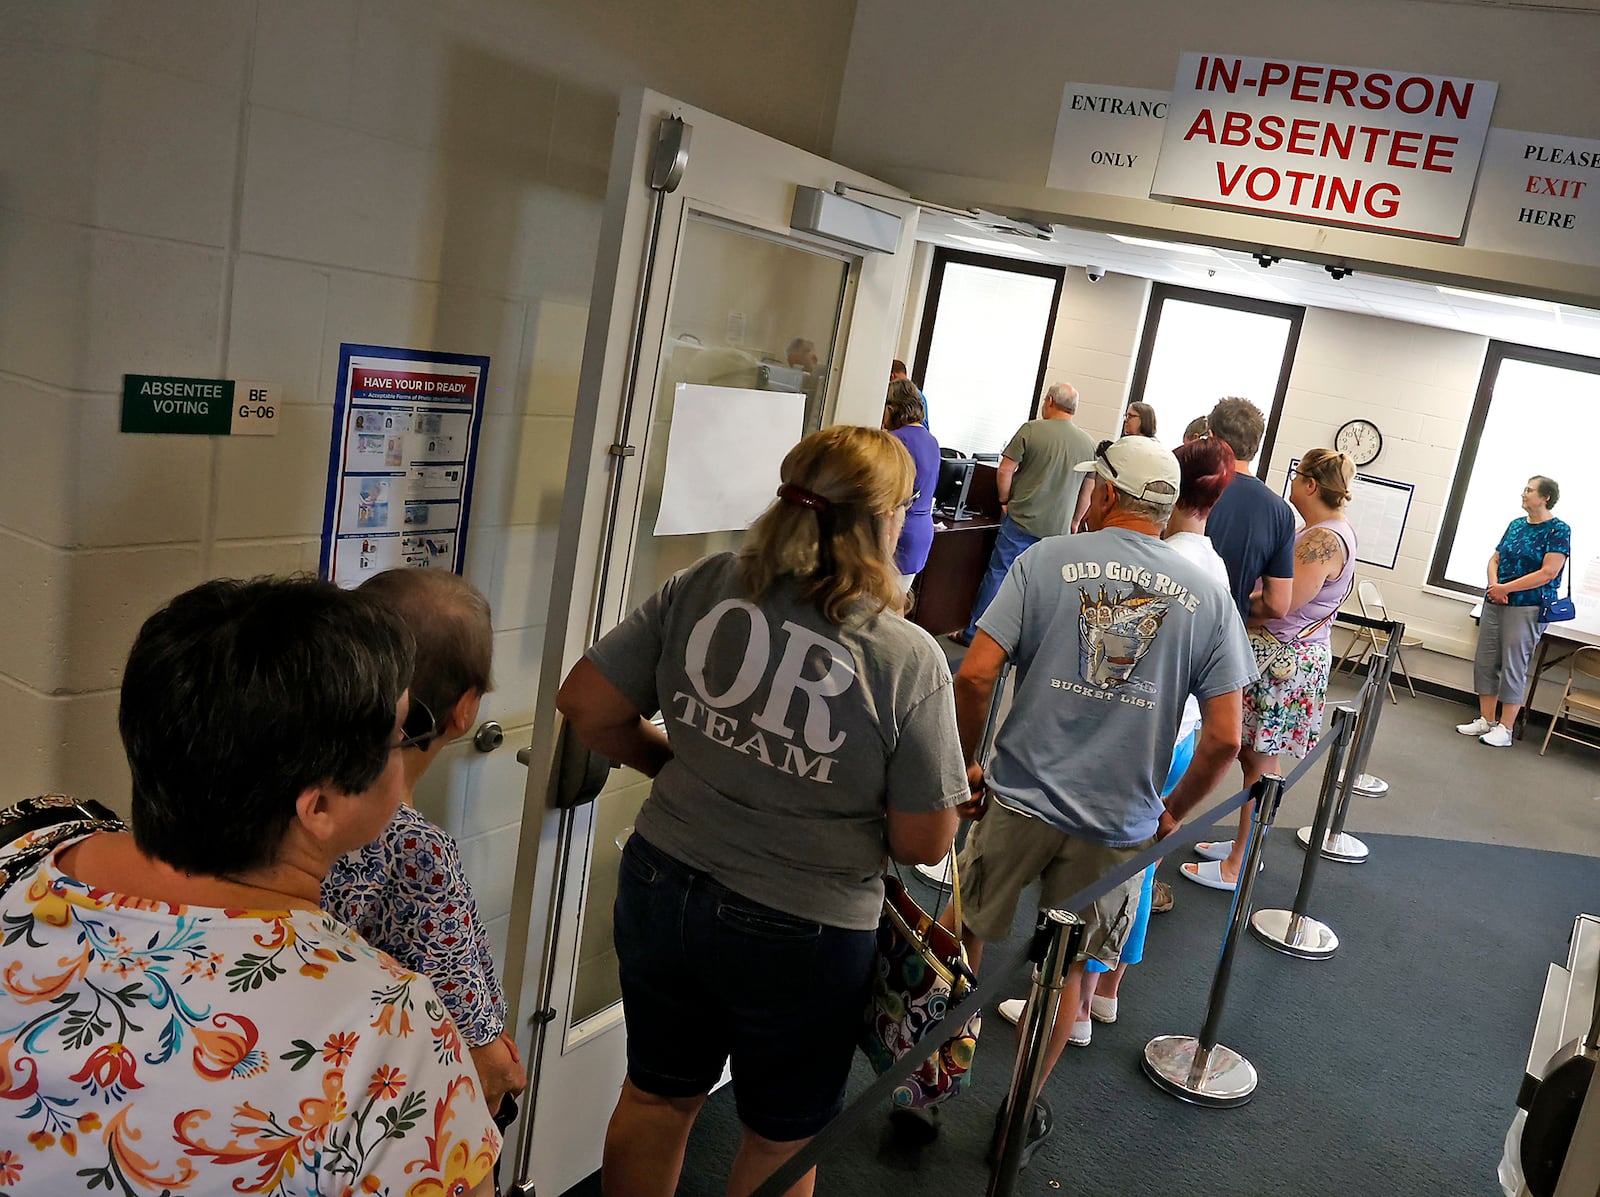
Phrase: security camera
(1095,273)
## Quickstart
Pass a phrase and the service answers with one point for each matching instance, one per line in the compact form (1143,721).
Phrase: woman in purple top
(1283,707)
(902,417)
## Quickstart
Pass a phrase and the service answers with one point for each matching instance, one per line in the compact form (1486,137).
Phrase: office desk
(945,589)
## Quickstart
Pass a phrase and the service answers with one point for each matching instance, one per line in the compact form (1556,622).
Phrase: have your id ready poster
(405,442)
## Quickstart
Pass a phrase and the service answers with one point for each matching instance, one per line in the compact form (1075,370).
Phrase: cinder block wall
(231,188)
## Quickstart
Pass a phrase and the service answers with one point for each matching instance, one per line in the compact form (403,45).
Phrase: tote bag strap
(955,892)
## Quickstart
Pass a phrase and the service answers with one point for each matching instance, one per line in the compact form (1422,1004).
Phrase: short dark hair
(1549,490)
(237,697)
(1205,468)
(897,367)
(449,621)
(904,404)
(1239,424)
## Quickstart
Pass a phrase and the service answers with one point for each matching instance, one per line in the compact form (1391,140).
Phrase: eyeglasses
(1100,452)
(915,495)
(420,727)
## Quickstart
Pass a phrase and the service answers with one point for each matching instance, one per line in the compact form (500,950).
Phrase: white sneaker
(1011,1010)
(1478,727)
(1103,1009)
(1498,736)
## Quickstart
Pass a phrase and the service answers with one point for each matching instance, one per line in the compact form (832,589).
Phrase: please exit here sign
(198,406)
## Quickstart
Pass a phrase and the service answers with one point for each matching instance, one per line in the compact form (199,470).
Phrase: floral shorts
(1283,707)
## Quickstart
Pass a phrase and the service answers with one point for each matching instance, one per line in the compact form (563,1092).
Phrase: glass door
(748,312)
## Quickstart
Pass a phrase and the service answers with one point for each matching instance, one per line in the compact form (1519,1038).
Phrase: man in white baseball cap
(1111,631)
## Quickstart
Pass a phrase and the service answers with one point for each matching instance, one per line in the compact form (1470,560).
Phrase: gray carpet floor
(1389,1069)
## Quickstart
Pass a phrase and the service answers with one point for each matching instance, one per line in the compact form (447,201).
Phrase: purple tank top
(1322,605)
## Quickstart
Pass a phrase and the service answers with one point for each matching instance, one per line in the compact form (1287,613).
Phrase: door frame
(632,290)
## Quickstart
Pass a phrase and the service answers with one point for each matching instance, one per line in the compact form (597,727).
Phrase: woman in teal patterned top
(1523,573)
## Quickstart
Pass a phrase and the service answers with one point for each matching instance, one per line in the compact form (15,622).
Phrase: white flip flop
(1217,850)
(1209,874)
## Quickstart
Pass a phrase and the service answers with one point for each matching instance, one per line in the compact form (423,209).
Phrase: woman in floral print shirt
(177,1015)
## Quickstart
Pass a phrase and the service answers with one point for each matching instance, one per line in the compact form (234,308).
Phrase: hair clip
(801,497)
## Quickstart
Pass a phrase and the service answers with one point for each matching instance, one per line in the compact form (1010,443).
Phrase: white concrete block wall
(1417,384)
(1095,342)
(224,187)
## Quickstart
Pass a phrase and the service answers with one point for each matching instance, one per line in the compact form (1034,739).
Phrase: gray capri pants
(1507,636)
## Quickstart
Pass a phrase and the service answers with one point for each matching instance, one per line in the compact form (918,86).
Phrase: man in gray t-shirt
(1110,632)
(1038,487)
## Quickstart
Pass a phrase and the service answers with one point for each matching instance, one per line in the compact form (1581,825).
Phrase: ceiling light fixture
(995,246)
(1176,247)
(1516,301)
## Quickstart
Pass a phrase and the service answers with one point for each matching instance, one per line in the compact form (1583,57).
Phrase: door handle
(581,772)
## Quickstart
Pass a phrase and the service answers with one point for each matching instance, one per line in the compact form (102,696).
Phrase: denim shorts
(710,978)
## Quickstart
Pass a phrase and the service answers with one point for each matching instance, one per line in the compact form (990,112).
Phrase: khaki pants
(1006,852)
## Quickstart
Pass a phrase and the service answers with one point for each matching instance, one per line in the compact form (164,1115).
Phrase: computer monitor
(955,480)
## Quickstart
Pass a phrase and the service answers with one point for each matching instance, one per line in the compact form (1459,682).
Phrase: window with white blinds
(1537,412)
(1200,346)
(985,342)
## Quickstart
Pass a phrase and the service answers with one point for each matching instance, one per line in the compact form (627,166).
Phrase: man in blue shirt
(1251,528)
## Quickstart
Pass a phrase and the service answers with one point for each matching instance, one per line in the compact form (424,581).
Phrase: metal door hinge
(621,450)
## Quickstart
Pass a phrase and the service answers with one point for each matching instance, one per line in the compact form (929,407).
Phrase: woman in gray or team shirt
(810,731)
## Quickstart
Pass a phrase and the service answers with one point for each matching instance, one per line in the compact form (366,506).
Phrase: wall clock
(1361,440)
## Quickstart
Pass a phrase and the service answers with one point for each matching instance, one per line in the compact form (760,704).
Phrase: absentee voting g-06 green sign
(198,406)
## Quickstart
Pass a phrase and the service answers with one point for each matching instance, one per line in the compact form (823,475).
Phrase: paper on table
(723,453)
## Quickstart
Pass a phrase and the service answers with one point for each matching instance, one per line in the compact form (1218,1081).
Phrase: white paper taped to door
(723,453)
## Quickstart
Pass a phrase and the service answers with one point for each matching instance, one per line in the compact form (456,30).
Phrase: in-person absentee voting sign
(1384,150)
(405,442)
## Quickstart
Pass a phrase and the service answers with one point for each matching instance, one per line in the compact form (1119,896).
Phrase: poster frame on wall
(1368,553)
(338,451)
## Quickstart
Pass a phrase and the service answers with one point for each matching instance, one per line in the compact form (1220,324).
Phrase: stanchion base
(1346,849)
(1301,937)
(1369,786)
(938,874)
(1229,1079)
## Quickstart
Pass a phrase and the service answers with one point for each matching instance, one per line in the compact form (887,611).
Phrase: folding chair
(1370,599)
(1586,703)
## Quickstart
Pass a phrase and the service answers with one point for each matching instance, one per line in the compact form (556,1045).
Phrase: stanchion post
(1335,844)
(1202,1070)
(1055,947)
(1367,785)
(1292,931)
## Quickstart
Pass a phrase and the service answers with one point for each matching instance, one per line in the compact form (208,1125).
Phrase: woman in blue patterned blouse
(406,892)
(1524,572)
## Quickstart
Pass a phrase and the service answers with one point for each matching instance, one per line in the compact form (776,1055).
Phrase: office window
(1199,346)
(1537,412)
(984,347)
